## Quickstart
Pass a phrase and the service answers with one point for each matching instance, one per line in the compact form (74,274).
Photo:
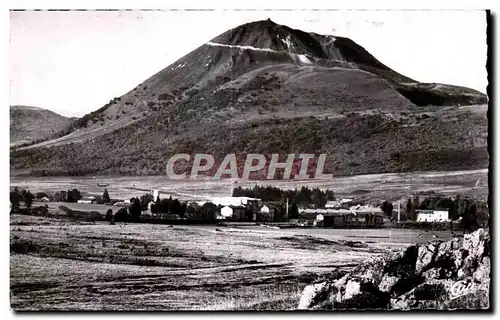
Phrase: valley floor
(386,186)
(61,265)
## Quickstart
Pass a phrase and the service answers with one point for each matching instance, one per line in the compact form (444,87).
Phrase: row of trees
(72,195)
(169,205)
(207,211)
(303,195)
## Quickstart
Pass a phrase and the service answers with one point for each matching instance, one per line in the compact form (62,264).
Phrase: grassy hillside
(355,143)
(28,124)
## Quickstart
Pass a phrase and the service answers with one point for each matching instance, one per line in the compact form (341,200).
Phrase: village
(159,207)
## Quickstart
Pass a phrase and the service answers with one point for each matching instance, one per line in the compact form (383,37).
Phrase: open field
(54,206)
(61,265)
(390,186)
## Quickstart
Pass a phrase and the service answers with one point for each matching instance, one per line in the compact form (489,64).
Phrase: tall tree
(77,195)
(330,196)
(15,199)
(415,205)
(175,206)
(409,209)
(135,209)
(182,212)
(387,208)
(122,215)
(294,211)
(145,200)
(209,211)
(109,214)
(105,196)
(69,196)
(28,198)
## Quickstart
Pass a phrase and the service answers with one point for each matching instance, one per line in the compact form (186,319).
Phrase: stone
(475,242)
(351,289)
(360,295)
(310,292)
(371,271)
(428,295)
(387,283)
(433,273)
(438,276)
(425,256)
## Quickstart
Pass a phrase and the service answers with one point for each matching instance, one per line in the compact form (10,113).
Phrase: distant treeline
(303,195)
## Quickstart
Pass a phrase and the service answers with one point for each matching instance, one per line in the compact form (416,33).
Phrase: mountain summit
(267,88)
(299,46)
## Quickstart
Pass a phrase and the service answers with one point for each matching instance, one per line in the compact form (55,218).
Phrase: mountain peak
(275,89)
(270,36)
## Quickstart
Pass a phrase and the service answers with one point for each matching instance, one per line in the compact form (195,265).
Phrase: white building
(226,212)
(158,193)
(86,200)
(432,216)
(233,201)
(359,209)
(324,212)
(264,209)
(332,204)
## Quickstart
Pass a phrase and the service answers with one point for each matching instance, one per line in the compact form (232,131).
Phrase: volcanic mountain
(266,88)
(29,124)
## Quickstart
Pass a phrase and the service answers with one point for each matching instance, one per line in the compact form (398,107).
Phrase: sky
(74,62)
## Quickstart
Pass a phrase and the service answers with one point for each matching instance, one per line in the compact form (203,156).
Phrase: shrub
(122,215)
(135,209)
(109,215)
(165,97)
(105,196)
(145,200)
(387,208)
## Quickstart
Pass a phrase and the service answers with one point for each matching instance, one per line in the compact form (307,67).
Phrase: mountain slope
(263,87)
(28,124)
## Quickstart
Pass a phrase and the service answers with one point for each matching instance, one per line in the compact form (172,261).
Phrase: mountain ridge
(230,84)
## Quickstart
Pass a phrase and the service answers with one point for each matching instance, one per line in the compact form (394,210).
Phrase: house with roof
(432,215)
(236,213)
(87,199)
(332,204)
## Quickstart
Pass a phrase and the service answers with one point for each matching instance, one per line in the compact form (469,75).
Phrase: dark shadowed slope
(264,87)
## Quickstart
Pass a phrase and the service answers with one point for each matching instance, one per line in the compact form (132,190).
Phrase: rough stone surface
(440,276)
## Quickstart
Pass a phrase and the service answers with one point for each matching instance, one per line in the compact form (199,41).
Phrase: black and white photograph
(249,160)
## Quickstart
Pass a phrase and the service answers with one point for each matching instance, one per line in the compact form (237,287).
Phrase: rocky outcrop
(440,275)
